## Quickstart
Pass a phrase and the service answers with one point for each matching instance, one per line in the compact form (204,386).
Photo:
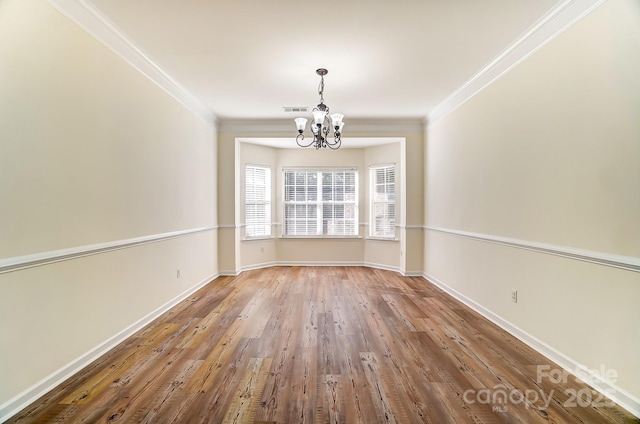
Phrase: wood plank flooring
(320,345)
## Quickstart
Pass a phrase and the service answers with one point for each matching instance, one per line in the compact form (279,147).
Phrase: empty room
(350,212)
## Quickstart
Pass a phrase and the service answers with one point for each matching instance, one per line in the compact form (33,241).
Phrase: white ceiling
(249,59)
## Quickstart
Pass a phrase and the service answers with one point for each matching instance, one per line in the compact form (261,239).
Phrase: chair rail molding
(617,261)
(28,261)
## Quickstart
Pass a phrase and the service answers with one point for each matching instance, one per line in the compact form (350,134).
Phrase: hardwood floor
(321,345)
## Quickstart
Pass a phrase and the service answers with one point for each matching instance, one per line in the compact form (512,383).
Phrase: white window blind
(257,206)
(383,201)
(320,202)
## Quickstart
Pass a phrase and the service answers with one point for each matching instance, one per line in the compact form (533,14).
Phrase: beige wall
(549,153)
(227,255)
(91,152)
(94,152)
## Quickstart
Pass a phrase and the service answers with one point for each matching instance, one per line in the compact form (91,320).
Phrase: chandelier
(322,123)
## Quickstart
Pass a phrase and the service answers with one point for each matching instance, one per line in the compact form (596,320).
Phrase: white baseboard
(324,263)
(383,266)
(413,274)
(318,263)
(610,390)
(257,266)
(30,395)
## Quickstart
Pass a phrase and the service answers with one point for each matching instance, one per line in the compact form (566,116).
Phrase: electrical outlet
(261,249)
(178,273)
(514,296)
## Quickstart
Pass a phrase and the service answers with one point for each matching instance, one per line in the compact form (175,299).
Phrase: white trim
(28,396)
(260,238)
(608,389)
(358,141)
(383,165)
(89,18)
(319,263)
(319,237)
(320,203)
(413,274)
(314,168)
(255,201)
(266,127)
(616,261)
(410,226)
(383,266)
(244,224)
(544,30)
(258,266)
(323,263)
(373,238)
(27,261)
(386,230)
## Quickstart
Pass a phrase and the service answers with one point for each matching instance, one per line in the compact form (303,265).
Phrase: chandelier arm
(335,145)
(336,140)
(300,137)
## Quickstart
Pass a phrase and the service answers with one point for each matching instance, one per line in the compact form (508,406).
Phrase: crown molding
(265,127)
(557,20)
(553,23)
(89,18)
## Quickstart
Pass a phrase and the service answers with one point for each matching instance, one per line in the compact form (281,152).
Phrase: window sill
(320,237)
(258,238)
(394,240)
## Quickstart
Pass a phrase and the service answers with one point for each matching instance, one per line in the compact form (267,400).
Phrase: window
(320,202)
(257,201)
(383,201)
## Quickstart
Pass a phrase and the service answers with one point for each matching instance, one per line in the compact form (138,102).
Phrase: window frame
(266,223)
(319,203)
(390,234)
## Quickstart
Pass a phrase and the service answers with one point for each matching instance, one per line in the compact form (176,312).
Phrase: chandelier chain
(321,89)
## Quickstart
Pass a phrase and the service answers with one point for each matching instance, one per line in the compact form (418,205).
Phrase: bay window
(257,213)
(320,202)
(382,197)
